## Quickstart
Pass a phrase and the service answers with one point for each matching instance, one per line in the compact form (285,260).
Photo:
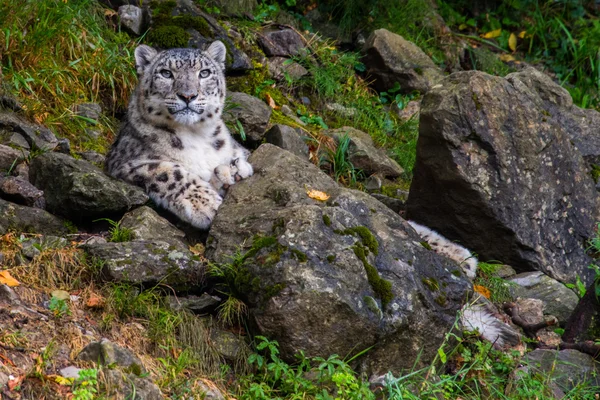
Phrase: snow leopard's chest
(199,155)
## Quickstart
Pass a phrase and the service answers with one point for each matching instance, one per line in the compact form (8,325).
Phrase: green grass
(55,54)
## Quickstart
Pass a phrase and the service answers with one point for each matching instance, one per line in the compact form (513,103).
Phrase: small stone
(340,109)
(89,110)
(93,157)
(279,67)
(200,305)
(7,294)
(282,43)
(132,19)
(373,183)
(64,146)
(70,372)
(20,191)
(411,110)
(17,140)
(287,111)
(106,353)
(145,224)
(92,133)
(288,139)
(22,171)
(9,156)
(253,114)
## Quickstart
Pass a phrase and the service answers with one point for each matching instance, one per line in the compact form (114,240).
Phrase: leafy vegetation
(56,54)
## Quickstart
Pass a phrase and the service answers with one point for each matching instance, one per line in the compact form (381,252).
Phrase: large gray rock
(78,190)
(145,224)
(132,18)
(336,276)
(391,59)
(236,8)
(566,368)
(106,352)
(557,299)
(280,42)
(363,154)
(496,171)
(36,136)
(148,263)
(252,113)
(28,219)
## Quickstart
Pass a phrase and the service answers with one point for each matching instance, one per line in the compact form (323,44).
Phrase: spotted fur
(173,142)
(445,247)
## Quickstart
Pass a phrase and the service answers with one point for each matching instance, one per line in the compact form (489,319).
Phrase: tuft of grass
(499,288)
(337,160)
(56,54)
(116,232)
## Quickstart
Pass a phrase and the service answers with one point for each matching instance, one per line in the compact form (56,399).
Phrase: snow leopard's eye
(204,73)
(166,73)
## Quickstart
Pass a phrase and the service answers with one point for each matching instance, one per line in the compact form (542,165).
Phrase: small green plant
(312,119)
(85,386)
(499,288)
(116,232)
(59,307)
(341,168)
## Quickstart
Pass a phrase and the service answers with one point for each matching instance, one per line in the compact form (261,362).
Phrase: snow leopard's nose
(187,97)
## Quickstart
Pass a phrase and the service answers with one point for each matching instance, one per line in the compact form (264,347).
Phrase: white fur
(445,247)
(479,316)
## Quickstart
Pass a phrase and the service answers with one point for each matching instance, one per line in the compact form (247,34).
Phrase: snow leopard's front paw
(199,205)
(243,169)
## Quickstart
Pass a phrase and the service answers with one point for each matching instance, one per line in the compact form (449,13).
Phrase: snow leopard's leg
(239,168)
(174,188)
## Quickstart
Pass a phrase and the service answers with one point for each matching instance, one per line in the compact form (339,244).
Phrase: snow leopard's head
(185,86)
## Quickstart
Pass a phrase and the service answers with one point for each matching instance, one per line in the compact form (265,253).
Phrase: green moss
(187,21)
(441,300)
(300,256)
(381,287)
(326,220)
(456,272)
(418,70)
(163,7)
(168,36)
(392,190)
(364,234)
(70,226)
(331,258)
(279,223)
(273,290)
(595,172)
(431,284)
(476,101)
(426,245)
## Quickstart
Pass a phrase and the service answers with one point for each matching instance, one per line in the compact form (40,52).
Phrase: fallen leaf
(512,42)
(197,249)
(271,102)
(492,34)
(317,195)
(506,57)
(482,290)
(522,34)
(95,301)
(8,280)
(13,383)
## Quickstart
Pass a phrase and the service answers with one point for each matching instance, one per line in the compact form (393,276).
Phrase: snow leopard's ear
(217,51)
(143,57)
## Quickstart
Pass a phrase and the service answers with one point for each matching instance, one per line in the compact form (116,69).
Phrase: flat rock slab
(14,217)
(280,42)
(148,263)
(145,224)
(79,190)
(496,170)
(363,154)
(20,191)
(37,136)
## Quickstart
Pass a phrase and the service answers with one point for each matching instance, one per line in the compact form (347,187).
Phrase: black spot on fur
(217,131)
(187,185)
(218,144)
(164,177)
(150,109)
(217,110)
(172,186)
(176,142)
(210,115)
(153,187)
(202,119)
(139,180)
(152,166)
(177,174)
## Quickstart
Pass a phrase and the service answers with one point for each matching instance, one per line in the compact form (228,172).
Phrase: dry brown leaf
(492,34)
(12,384)
(317,195)
(95,301)
(197,249)
(271,102)
(482,290)
(7,279)
(512,42)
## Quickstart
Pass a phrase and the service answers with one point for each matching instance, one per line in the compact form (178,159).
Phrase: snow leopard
(173,142)
(445,247)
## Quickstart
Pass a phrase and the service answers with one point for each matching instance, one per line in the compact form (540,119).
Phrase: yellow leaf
(522,34)
(317,195)
(506,57)
(6,279)
(270,101)
(61,380)
(482,290)
(462,27)
(492,34)
(512,42)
